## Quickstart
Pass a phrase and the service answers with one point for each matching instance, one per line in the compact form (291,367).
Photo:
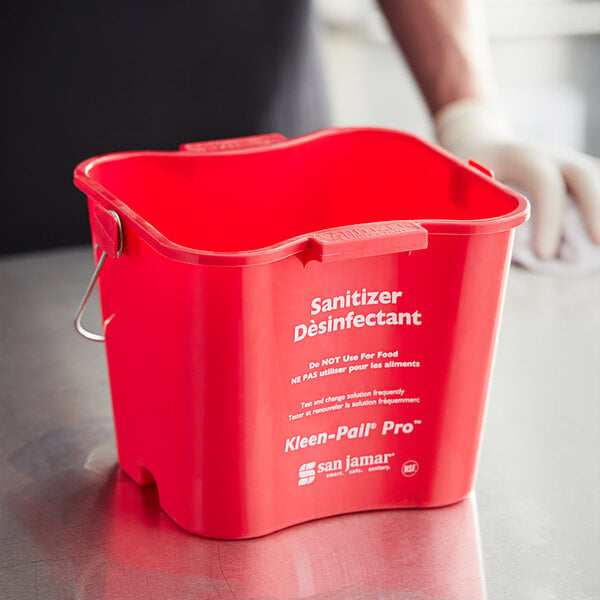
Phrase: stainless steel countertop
(73,526)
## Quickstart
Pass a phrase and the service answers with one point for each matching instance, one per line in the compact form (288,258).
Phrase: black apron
(87,78)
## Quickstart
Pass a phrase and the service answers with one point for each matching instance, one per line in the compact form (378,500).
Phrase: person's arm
(445,45)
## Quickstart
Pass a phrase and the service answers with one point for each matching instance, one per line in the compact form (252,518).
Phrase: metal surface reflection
(94,534)
(378,554)
(351,556)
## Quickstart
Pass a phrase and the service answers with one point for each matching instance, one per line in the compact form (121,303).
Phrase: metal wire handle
(90,335)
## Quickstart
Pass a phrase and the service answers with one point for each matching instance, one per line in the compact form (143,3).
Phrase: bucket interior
(244,201)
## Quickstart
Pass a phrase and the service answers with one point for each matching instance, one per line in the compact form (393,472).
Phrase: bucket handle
(109,234)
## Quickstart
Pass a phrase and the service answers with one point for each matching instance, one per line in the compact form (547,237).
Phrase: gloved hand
(474,129)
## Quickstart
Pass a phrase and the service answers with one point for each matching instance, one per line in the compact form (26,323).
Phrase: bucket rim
(298,244)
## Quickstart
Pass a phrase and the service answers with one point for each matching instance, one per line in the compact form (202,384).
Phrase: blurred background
(546,55)
(83,80)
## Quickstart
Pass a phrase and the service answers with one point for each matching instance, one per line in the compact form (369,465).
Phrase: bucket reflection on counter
(298,328)
(436,552)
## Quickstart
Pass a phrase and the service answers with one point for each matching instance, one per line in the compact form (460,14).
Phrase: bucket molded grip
(241,143)
(372,239)
(108,233)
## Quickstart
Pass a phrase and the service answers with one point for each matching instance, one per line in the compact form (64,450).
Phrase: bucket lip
(297,244)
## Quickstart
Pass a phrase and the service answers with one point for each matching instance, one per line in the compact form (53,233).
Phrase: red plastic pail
(298,328)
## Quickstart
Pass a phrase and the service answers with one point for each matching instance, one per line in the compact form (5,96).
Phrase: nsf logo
(307,473)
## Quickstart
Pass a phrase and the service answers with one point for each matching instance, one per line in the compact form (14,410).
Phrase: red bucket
(298,328)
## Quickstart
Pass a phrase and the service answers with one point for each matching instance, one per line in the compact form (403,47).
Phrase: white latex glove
(474,129)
